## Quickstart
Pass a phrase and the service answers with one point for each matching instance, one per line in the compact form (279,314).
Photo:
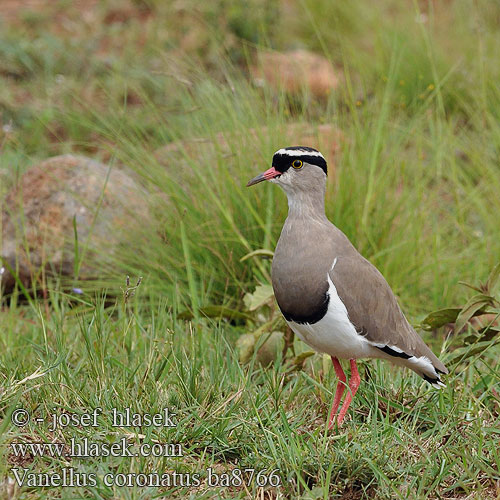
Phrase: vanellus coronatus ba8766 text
(330,295)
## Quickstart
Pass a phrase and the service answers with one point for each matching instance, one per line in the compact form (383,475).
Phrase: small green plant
(484,306)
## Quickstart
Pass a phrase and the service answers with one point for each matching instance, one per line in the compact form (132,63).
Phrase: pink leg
(354,382)
(338,392)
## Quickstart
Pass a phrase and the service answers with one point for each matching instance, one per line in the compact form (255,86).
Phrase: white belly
(334,334)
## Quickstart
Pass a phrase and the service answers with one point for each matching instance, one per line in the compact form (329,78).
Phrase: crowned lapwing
(330,295)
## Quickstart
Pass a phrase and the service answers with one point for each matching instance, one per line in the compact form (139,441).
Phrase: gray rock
(38,217)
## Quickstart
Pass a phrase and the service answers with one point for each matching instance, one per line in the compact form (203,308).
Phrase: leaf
(245,346)
(261,295)
(473,287)
(463,353)
(440,318)
(268,345)
(300,358)
(262,252)
(485,334)
(475,305)
(246,343)
(270,348)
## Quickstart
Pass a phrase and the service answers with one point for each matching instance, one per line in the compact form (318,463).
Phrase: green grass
(415,187)
(405,439)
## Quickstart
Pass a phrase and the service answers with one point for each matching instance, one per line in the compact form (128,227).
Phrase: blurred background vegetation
(415,102)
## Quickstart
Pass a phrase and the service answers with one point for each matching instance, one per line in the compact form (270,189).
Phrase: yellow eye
(297,164)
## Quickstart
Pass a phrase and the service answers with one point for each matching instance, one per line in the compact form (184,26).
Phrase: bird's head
(295,169)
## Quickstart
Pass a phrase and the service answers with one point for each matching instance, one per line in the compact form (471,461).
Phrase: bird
(332,298)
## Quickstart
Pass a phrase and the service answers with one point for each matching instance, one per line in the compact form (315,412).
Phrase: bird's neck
(306,204)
